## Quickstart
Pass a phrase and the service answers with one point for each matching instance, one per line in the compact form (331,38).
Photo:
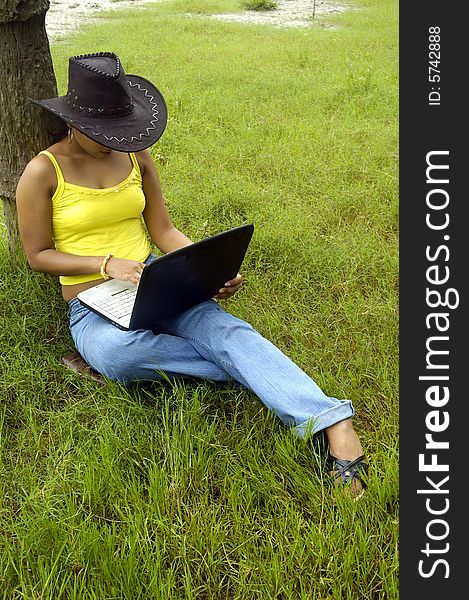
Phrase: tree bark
(26,71)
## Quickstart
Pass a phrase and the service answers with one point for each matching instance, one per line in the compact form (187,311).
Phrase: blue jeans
(209,343)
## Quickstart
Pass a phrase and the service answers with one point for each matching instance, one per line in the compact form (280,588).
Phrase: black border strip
(433,275)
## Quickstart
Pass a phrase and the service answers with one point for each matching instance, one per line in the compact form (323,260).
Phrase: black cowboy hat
(123,112)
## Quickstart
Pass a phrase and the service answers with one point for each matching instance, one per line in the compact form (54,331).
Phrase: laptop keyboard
(119,304)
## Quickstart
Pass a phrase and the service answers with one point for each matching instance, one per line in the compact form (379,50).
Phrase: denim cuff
(332,416)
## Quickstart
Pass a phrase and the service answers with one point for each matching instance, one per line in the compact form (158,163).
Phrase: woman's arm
(162,231)
(33,200)
(160,227)
(34,205)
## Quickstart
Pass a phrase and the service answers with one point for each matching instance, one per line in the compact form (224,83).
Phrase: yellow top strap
(134,160)
(60,177)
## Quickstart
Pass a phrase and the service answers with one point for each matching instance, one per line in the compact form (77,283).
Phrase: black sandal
(350,473)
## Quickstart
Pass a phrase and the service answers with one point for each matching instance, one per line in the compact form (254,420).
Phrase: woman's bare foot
(346,454)
(343,441)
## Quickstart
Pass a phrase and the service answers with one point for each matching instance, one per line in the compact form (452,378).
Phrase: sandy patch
(65,16)
(290,13)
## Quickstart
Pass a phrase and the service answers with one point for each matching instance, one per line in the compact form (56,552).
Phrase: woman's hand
(231,287)
(125,270)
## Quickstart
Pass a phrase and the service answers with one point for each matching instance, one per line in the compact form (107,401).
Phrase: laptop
(172,283)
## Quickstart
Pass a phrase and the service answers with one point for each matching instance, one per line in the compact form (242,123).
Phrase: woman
(87,207)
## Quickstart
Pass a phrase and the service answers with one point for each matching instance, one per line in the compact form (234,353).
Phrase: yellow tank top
(94,222)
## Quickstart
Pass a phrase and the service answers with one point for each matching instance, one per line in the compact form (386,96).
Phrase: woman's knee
(112,352)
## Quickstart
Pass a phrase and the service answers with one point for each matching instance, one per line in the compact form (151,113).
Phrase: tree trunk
(26,71)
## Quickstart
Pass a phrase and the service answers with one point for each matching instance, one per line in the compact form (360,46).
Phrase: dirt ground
(65,16)
(290,13)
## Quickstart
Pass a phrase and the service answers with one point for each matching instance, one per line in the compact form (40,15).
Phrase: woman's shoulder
(39,168)
(144,159)
(37,178)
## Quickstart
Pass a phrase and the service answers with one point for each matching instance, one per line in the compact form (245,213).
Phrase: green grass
(193,490)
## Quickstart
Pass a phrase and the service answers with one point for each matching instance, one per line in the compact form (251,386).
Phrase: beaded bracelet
(104,275)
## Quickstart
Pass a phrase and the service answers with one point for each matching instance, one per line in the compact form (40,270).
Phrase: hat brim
(129,133)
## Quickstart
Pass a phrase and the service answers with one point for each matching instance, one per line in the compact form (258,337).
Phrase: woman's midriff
(70,291)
